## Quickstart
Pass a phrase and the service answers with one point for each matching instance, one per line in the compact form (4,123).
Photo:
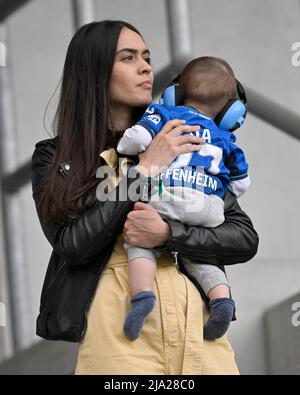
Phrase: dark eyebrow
(133,51)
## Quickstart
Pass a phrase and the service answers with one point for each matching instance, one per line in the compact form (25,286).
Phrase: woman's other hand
(145,228)
(167,145)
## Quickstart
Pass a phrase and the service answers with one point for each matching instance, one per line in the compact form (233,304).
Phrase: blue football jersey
(210,169)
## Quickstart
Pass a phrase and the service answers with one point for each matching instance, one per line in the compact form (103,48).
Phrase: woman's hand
(145,228)
(167,145)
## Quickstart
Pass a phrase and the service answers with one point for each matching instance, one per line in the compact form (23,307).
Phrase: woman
(106,85)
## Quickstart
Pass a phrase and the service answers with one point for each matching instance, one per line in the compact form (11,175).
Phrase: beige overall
(171,341)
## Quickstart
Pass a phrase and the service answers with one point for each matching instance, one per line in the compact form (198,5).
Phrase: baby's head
(207,83)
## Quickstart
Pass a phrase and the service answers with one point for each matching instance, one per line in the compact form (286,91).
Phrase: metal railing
(8,7)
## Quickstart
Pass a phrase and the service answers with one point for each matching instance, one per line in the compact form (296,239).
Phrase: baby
(192,189)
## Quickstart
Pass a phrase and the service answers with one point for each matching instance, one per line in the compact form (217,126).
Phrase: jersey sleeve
(236,161)
(134,140)
(154,119)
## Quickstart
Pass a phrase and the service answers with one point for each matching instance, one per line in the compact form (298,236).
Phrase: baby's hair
(207,81)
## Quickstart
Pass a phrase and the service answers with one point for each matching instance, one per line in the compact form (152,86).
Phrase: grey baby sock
(142,304)
(221,313)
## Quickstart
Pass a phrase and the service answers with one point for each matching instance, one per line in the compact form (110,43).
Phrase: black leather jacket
(82,247)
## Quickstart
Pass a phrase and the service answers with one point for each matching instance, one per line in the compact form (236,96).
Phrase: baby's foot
(221,313)
(142,304)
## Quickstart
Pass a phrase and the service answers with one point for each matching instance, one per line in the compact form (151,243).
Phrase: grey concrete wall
(37,50)
(5,324)
(256,38)
(44,358)
(282,328)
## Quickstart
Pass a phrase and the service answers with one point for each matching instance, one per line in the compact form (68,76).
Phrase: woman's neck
(121,118)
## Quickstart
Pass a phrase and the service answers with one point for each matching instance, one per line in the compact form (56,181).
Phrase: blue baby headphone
(230,117)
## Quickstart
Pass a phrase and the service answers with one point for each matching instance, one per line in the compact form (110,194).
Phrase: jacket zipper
(188,253)
(175,254)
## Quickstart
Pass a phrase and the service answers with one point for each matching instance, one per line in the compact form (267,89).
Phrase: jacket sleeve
(81,239)
(234,241)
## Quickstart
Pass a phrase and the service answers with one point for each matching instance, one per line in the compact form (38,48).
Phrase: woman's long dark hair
(82,121)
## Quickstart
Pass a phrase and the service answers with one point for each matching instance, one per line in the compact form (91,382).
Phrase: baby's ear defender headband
(230,117)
